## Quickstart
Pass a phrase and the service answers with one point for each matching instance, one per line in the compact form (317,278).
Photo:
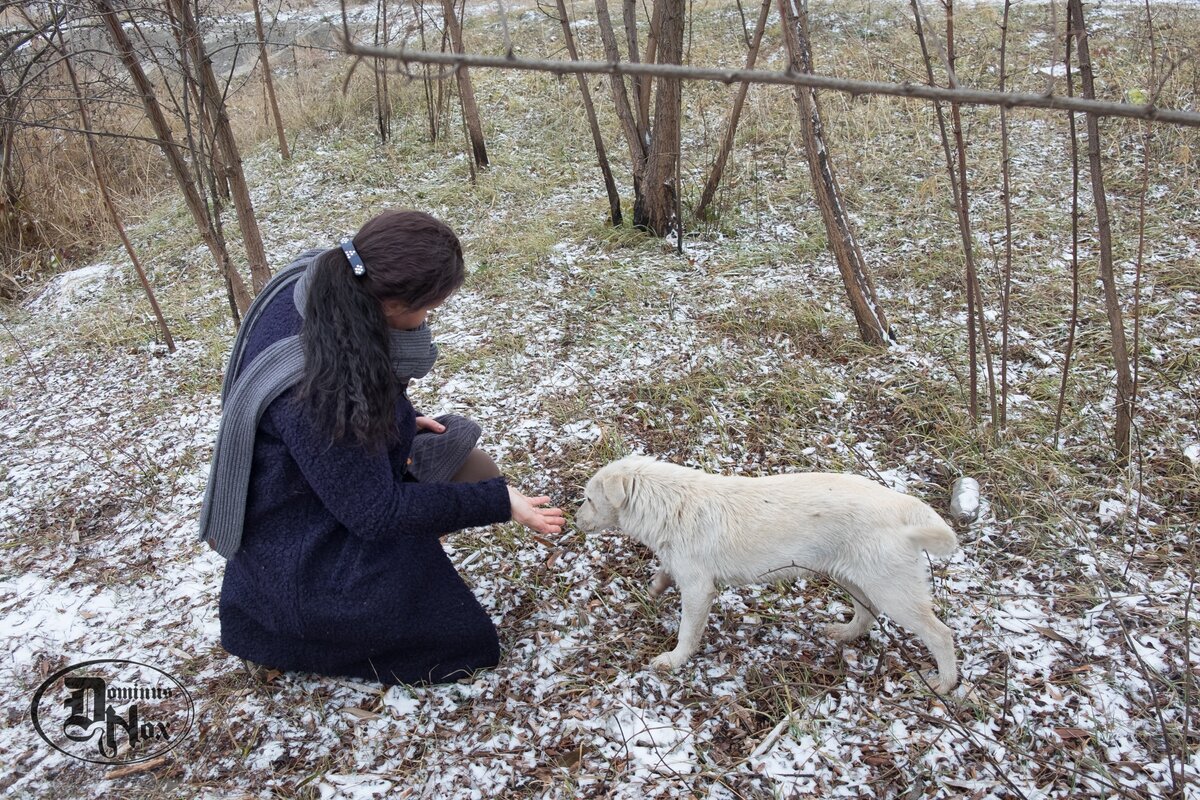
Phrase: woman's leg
(478,467)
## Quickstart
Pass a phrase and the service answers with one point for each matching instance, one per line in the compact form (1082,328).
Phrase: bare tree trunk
(202,145)
(1147,137)
(239,297)
(431,115)
(383,103)
(10,183)
(651,56)
(975,317)
(467,139)
(637,146)
(956,170)
(1006,291)
(735,113)
(679,186)
(610,186)
(269,82)
(85,119)
(1073,323)
(212,181)
(299,83)
(465,91)
(657,210)
(856,276)
(211,95)
(387,94)
(1112,301)
(9,189)
(443,87)
(640,84)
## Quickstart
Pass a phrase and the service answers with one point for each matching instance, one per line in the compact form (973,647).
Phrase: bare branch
(1100,108)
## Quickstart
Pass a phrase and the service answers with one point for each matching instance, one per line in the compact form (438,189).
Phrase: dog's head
(607,494)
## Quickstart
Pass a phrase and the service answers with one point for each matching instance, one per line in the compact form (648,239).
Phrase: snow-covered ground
(105,464)
(1071,599)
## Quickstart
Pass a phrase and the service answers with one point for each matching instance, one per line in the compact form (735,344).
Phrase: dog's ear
(617,488)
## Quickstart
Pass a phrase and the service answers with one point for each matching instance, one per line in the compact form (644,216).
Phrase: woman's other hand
(529,512)
(430,424)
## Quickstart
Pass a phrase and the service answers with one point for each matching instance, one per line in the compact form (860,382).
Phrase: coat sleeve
(358,487)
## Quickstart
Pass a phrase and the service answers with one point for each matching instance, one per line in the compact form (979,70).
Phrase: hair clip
(356,262)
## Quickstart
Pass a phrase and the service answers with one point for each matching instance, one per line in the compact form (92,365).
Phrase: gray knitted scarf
(244,399)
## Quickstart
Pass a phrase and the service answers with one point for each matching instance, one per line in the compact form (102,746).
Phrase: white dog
(709,529)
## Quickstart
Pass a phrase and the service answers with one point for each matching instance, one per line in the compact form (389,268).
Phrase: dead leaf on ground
(1068,734)
(360,713)
(1050,633)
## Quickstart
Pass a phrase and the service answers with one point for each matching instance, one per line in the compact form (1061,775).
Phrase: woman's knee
(478,466)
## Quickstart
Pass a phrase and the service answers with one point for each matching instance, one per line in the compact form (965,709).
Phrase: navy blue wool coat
(340,571)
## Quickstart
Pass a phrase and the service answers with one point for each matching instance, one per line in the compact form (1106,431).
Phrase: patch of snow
(70,290)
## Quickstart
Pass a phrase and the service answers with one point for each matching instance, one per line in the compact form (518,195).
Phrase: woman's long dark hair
(348,385)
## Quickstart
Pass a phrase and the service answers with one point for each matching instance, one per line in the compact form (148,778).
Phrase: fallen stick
(135,769)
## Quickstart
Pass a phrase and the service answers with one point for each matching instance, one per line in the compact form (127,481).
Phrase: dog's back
(838,509)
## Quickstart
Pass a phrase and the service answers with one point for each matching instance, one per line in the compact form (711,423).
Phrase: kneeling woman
(328,491)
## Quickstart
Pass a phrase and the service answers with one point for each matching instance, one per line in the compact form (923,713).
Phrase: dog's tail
(931,533)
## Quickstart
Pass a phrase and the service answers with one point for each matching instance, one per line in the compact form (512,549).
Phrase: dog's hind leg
(662,581)
(697,600)
(863,619)
(905,598)
(937,637)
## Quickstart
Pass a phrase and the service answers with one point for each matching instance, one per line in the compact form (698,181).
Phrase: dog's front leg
(662,581)
(697,600)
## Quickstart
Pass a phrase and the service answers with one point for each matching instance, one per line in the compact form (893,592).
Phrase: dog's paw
(662,581)
(939,684)
(843,631)
(667,662)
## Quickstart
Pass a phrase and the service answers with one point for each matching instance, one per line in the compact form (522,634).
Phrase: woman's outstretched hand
(529,512)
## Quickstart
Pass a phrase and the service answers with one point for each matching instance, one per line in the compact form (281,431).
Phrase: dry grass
(60,220)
